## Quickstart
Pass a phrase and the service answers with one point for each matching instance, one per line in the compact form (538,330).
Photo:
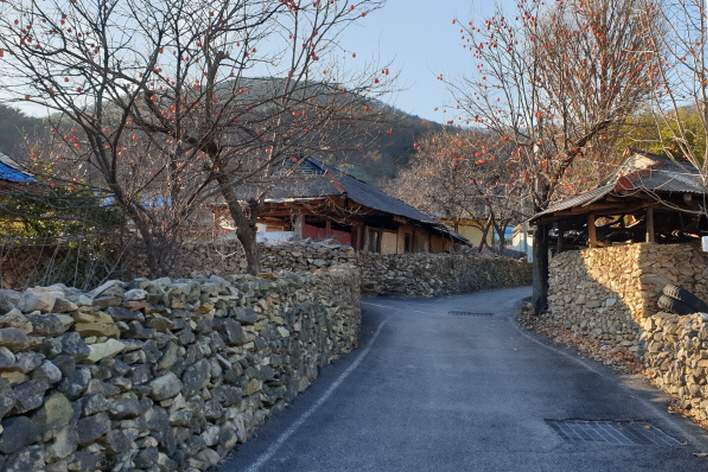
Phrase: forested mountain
(16,131)
(383,147)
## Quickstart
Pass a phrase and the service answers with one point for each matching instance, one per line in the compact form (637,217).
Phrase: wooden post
(559,243)
(592,231)
(650,237)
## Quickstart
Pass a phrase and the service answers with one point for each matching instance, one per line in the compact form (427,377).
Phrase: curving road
(452,384)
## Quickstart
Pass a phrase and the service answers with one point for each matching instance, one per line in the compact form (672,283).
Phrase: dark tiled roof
(640,171)
(322,180)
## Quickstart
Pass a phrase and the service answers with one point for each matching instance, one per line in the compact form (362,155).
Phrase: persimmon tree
(464,175)
(166,105)
(680,98)
(555,80)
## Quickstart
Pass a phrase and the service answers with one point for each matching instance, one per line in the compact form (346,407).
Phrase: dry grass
(616,357)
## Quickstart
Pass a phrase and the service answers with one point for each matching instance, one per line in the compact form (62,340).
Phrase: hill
(384,145)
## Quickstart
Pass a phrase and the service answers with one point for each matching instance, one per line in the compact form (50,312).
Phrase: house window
(341,227)
(316,222)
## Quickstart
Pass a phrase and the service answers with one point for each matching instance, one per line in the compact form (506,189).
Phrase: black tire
(673,305)
(686,297)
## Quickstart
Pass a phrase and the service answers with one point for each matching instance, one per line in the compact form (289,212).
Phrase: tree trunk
(485,233)
(158,251)
(540,269)
(501,232)
(246,228)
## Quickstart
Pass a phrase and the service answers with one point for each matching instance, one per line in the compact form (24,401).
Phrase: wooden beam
(592,231)
(650,237)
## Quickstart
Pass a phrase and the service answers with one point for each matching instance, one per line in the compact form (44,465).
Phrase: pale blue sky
(419,39)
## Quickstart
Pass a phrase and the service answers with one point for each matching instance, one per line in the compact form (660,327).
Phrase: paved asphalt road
(432,391)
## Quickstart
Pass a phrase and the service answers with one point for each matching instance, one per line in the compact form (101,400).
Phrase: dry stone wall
(161,375)
(605,293)
(610,295)
(435,274)
(676,358)
(403,275)
(225,257)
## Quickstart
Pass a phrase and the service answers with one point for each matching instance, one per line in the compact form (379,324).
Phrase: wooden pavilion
(648,198)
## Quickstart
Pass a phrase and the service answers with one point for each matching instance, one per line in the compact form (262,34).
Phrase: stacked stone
(606,293)
(436,274)
(594,293)
(226,257)
(306,255)
(676,358)
(161,375)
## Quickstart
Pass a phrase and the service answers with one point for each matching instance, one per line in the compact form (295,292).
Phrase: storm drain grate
(634,433)
(469,313)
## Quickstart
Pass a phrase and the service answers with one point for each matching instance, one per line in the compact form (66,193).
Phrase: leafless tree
(462,175)
(555,80)
(680,99)
(165,105)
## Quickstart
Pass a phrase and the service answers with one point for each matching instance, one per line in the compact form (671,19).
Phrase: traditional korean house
(320,202)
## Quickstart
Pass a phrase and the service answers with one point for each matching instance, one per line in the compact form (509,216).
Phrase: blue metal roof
(14,175)
(9,170)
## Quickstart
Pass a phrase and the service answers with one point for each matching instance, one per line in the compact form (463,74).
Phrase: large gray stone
(103,388)
(110,287)
(90,428)
(166,386)
(47,324)
(28,361)
(196,377)
(31,458)
(123,314)
(73,345)
(8,361)
(48,372)
(75,383)
(157,421)
(169,356)
(13,339)
(146,457)
(230,330)
(29,395)
(92,404)
(19,431)
(64,444)
(8,300)
(208,456)
(82,461)
(54,414)
(117,442)
(126,407)
(62,305)
(37,301)
(244,315)
(7,398)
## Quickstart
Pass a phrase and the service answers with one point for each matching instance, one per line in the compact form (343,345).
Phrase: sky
(420,41)
(417,41)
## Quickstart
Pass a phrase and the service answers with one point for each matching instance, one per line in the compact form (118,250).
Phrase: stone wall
(403,275)
(610,296)
(161,375)
(605,293)
(676,359)
(435,274)
(225,257)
